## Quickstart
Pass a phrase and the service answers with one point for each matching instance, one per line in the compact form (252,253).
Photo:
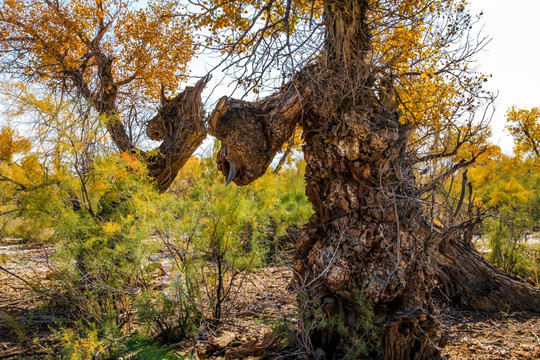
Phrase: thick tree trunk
(351,258)
(365,249)
(469,281)
(181,128)
(366,245)
(367,258)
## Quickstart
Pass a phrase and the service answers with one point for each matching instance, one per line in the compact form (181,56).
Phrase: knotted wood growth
(252,133)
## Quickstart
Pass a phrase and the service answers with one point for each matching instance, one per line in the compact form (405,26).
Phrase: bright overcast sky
(512,57)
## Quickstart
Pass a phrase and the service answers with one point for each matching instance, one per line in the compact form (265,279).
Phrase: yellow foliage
(132,160)
(77,346)
(504,181)
(11,143)
(148,44)
(524,125)
(111,228)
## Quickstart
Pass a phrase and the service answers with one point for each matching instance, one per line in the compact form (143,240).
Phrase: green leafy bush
(509,188)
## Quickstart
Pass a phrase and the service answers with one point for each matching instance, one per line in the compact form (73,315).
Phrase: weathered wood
(369,234)
(252,133)
(369,244)
(471,282)
(181,127)
(366,237)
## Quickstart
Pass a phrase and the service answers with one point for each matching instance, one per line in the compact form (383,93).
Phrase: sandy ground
(262,299)
(482,243)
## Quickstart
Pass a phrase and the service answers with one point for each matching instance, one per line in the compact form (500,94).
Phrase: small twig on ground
(536,336)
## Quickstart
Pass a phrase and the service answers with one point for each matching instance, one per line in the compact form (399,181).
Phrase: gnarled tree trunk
(180,126)
(367,255)
(179,123)
(366,246)
(351,255)
(366,241)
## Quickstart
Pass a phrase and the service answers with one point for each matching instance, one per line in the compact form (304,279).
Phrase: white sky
(512,57)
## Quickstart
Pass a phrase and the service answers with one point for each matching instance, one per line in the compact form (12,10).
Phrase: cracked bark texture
(469,281)
(367,235)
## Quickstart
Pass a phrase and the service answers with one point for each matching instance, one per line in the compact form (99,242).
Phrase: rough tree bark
(368,243)
(366,238)
(358,181)
(252,133)
(180,126)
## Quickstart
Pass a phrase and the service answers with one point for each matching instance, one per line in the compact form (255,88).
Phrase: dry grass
(264,299)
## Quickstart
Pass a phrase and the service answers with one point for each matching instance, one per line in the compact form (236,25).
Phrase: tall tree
(370,243)
(524,125)
(117,57)
(379,87)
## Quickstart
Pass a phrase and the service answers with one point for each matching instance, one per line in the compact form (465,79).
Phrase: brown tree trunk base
(471,282)
(405,339)
(364,256)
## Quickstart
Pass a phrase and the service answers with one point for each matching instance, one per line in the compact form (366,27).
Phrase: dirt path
(24,331)
(491,336)
(265,294)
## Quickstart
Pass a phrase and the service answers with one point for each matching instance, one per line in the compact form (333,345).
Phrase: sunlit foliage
(524,125)
(116,236)
(63,42)
(116,55)
(509,187)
